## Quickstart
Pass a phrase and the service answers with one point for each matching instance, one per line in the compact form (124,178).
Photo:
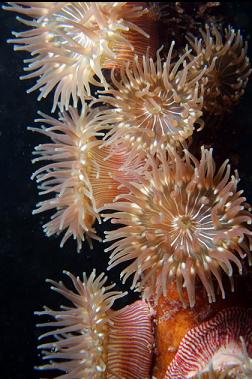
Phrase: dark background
(27,257)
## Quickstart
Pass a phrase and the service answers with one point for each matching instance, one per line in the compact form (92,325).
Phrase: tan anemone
(89,340)
(153,102)
(64,181)
(228,67)
(71,42)
(182,222)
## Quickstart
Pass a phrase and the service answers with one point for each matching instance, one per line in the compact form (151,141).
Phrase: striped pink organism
(131,337)
(211,345)
(90,340)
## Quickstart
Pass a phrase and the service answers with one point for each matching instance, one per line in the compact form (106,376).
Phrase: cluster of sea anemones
(125,156)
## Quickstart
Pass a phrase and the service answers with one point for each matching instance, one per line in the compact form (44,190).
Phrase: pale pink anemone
(228,67)
(65,180)
(71,42)
(218,348)
(89,340)
(184,220)
(81,175)
(153,102)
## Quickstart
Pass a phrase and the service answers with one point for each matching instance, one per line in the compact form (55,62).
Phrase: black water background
(27,257)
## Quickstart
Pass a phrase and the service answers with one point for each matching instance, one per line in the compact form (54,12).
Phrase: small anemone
(90,340)
(66,178)
(153,102)
(228,67)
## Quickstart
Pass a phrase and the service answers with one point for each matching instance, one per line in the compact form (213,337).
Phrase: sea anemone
(70,44)
(83,174)
(217,348)
(178,18)
(92,341)
(181,221)
(228,67)
(153,102)
(65,178)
